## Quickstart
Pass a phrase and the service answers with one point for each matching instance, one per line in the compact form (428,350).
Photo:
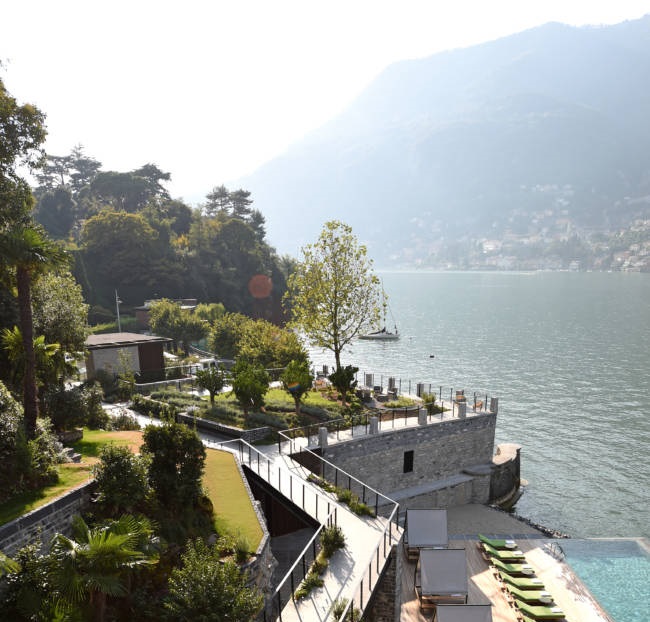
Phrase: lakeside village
(403,488)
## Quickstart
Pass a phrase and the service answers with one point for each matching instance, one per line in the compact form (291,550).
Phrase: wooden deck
(568,592)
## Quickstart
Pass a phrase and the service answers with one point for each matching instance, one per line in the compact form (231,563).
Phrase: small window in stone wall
(408,461)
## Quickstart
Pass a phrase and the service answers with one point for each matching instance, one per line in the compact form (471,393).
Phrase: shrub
(121,479)
(332,539)
(124,421)
(177,461)
(310,582)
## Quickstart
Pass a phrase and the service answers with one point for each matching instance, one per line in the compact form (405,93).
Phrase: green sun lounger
(540,597)
(514,570)
(522,583)
(497,543)
(504,556)
(538,612)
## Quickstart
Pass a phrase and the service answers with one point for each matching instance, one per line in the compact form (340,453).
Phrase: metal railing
(388,508)
(302,494)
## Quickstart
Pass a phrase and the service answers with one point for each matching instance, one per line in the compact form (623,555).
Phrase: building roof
(117,340)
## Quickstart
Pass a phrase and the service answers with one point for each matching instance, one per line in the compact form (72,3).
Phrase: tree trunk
(30,393)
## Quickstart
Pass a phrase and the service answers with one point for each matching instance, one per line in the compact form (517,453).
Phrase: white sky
(211,89)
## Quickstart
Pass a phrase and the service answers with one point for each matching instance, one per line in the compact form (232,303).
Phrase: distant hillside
(461,144)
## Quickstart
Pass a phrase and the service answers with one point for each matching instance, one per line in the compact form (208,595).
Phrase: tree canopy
(333,295)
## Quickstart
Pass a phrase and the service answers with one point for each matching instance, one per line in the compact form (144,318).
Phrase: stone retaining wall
(208,426)
(45,521)
(442,463)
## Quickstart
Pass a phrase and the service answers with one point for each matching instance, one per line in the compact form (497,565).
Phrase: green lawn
(234,513)
(232,506)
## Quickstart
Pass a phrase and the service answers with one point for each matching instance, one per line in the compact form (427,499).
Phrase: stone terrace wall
(45,521)
(446,455)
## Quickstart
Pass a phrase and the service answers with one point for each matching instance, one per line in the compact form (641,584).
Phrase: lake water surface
(568,355)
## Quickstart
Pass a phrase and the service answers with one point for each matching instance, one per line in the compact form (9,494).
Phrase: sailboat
(384,334)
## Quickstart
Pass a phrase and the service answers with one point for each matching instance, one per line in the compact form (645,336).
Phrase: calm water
(568,355)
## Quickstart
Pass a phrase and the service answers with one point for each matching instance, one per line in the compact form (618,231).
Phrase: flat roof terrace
(464,525)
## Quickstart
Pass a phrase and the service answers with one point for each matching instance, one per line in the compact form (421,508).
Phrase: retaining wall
(45,521)
(450,462)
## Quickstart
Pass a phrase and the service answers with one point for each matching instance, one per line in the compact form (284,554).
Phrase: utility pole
(117,307)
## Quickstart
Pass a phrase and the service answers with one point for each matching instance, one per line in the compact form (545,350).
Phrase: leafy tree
(269,346)
(83,168)
(168,319)
(343,379)
(297,380)
(209,589)
(333,294)
(212,379)
(226,334)
(75,406)
(60,315)
(31,253)
(121,478)
(56,211)
(258,342)
(210,312)
(96,563)
(22,128)
(249,384)
(177,458)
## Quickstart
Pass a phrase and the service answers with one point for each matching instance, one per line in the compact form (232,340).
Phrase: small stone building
(145,353)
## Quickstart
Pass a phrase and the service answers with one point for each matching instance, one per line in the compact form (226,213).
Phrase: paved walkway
(368,542)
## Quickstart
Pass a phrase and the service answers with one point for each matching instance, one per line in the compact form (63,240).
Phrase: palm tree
(97,564)
(30,252)
(44,354)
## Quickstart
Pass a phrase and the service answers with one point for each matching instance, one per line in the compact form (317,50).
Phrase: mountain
(471,143)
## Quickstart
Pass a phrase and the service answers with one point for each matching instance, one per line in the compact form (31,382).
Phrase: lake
(568,355)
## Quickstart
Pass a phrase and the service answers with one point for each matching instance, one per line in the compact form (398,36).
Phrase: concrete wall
(45,521)
(451,461)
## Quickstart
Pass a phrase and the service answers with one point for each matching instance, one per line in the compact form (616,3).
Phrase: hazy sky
(209,90)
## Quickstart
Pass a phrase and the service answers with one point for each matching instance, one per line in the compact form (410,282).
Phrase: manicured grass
(70,476)
(232,506)
(234,513)
(91,444)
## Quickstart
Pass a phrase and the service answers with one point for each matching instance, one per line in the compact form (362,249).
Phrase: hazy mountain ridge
(450,146)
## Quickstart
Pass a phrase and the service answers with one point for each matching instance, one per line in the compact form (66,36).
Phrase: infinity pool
(616,572)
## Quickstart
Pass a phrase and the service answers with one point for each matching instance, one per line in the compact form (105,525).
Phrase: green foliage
(311,581)
(333,294)
(209,589)
(353,615)
(168,319)
(212,379)
(226,334)
(97,562)
(154,408)
(121,480)
(14,453)
(249,384)
(258,342)
(124,421)
(332,539)
(28,590)
(177,458)
(210,312)
(343,379)
(297,380)
(78,406)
